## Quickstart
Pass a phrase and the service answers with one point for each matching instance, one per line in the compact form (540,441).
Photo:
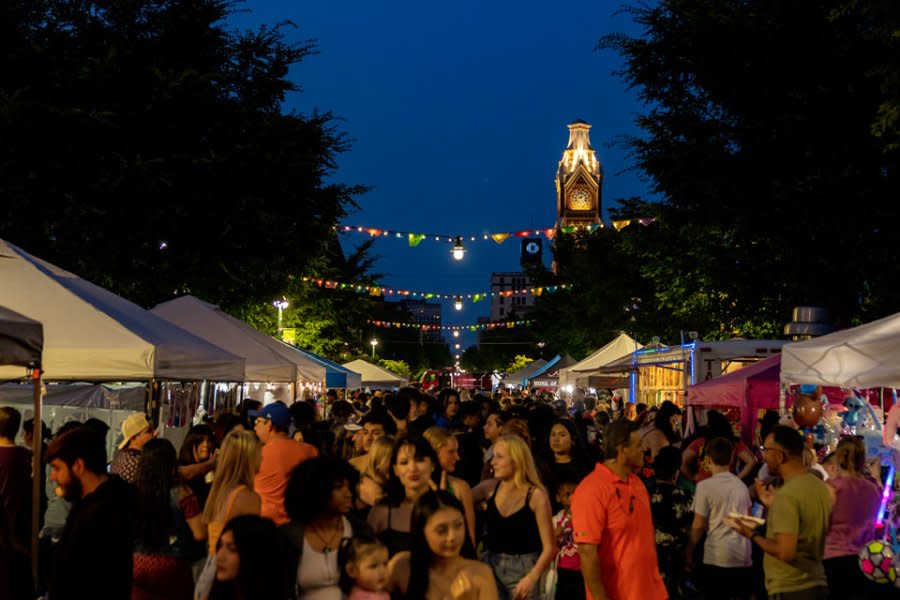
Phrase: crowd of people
(409,495)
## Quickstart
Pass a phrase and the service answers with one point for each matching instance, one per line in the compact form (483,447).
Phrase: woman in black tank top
(519,538)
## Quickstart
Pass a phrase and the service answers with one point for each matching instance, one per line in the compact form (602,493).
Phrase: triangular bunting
(415,239)
(499,237)
(646,221)
(620,225)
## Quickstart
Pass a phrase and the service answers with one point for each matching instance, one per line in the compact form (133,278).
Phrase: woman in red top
(694,464)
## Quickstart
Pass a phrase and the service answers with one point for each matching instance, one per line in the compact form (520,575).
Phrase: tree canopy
(775,185)
(146,146)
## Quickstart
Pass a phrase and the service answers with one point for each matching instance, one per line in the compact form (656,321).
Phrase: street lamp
(457,303)
(456,333)
(458,249)
(374,343)
(280,305)
(541,346)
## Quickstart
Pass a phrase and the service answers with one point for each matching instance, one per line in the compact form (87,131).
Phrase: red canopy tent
(750,389)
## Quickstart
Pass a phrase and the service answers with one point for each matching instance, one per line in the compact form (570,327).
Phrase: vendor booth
(857,359)
(520,377)
(547,377)
(273,370)
(21,345)
(92,335)
(375,377)
(590,372)
(660,373)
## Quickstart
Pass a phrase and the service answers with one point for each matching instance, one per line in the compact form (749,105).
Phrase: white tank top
(318,573)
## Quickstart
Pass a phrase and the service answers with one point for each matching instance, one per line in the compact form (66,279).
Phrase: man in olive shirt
(794,543)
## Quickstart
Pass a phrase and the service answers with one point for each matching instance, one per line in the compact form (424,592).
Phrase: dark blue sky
(458,113)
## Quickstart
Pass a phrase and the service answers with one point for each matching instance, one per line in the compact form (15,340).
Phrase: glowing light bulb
(457,303)
(458,249)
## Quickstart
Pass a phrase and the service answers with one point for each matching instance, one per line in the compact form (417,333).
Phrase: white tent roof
(621,346)
(267,359)
(862,357)
(92,334)
(374,376)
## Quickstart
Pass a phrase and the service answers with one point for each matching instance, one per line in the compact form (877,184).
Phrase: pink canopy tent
(750,389)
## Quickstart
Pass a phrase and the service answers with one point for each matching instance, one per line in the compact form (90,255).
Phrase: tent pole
(37,435)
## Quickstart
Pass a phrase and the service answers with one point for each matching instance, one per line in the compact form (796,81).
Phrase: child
(363,561)
(570,583)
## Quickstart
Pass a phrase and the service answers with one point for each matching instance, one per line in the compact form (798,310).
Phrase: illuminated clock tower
(579,180)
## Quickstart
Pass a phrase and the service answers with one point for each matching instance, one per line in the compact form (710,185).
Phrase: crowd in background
(411,495)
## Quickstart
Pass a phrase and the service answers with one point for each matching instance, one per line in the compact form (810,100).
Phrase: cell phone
(757,510)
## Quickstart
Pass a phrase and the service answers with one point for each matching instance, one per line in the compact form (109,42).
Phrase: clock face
(580,200)
(532,248)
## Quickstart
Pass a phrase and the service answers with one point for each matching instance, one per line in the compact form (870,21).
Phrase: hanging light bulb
(457,303)
(456,333)
(458,249)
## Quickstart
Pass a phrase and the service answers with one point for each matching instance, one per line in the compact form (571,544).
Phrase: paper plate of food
(737,520)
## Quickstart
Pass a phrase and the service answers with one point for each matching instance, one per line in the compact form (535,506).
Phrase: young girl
(570,583)
(364,568)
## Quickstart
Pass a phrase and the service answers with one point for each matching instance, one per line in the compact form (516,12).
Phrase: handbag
(205,581)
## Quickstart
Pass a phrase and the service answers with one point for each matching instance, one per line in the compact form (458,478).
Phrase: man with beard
(93,557)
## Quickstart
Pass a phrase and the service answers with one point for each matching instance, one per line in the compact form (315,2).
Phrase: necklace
(327,543)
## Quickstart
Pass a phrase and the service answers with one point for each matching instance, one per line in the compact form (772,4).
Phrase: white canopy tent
(90,334)
(374,376)
(863,357)
(520,377)
(623,345)
(267,359)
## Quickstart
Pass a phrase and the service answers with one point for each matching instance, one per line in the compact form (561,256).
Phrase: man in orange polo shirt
(613,525)
(280,455)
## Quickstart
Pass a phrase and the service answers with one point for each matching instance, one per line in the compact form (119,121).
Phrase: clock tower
(579,180)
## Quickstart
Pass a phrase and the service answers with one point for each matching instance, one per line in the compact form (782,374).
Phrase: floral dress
(670,506)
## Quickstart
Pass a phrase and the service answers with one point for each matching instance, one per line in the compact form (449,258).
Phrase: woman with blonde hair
(446,446)
(232,490)
(519,539)
(376,472)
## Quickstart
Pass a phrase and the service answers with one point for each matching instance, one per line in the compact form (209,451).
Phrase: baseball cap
(132,426)
(276,412)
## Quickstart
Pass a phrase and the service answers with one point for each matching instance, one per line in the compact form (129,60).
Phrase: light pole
(374,343)
(541,346)
(280,305)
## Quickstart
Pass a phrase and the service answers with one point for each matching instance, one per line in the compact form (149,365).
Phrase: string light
(458,303)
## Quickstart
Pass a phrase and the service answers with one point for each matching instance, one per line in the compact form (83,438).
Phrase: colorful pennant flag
(415,239)
(620,225)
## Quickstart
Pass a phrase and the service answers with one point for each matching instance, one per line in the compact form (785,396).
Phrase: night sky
(458,114)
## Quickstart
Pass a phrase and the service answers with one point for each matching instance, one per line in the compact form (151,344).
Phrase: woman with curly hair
(319,497)
(441,560)
(168,526)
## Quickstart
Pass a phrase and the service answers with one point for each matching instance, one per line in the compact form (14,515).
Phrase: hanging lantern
(457,303)
(458,249)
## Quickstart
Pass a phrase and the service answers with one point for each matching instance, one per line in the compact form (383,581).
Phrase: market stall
(21,345)
(375,377)
(519,378)
(91,334)
(661,373)
(588,372)
(547,377)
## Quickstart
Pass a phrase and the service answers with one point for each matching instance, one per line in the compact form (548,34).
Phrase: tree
(757,137)
(145,146)
(396,366)
(519,362)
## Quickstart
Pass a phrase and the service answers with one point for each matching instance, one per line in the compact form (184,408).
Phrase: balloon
(807,410)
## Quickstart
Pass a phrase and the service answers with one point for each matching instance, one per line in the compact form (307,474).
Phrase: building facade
(508,299)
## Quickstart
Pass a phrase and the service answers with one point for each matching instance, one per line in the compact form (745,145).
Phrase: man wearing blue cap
(280,455)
